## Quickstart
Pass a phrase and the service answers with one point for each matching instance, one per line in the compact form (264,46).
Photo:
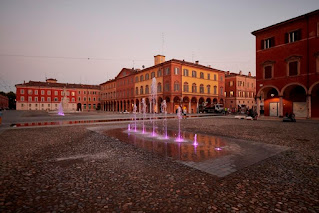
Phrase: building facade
(180,83)
(36,95)
(287,67)
(4,102)
(240,91)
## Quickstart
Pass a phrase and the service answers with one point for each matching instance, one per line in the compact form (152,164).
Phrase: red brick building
(240,91)
(4,102)
(36,95)
(287,67)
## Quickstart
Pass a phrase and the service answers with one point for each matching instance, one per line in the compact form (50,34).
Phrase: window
(30,99)
(42,92)
(153,75)
(167,71)
(221,78)
(147,91)
(73,99)
(141,90)
(176,70)
(185,73)
(176,86)
(73,93)
(62,93)
(55,92)
(201,88)
(166,86)
(194,88)
(56,99)
(293,36)
(231,83)
(293,68)
(89,98)
(49,92)
(84,98)
(147,76)
(194,74)
(268,71)
(268,43)
(221,90)
(215,77)
(84,106)
(136,79)
(42,99)
(49,99)
(159,73)
(208,89)
(21,98)
(22,91)
(136,91)
(141,77)
(30,92)
(293,65)
(68,93)
(208,76)
(79,98)
(186,89)
(79,92)
(159,87)
(231,93)
(247,84)
(201,75)
(215,90)
(94,99)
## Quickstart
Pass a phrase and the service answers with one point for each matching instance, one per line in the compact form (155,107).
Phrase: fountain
(195,140)
(60,110)
(179,117)
(134,114)
(144,114)
(164,110)
(153,101)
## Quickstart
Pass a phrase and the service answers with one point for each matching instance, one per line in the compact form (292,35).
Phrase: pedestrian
(225,110)
(184,112)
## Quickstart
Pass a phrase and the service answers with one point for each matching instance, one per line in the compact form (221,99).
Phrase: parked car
(215,108)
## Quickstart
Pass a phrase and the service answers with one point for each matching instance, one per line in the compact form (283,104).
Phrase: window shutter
(286,38)
(262,44)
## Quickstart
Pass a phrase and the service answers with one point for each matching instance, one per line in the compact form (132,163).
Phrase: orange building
(240,91)
(180,83)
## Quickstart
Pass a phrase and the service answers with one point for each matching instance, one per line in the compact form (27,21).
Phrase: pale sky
(90,41)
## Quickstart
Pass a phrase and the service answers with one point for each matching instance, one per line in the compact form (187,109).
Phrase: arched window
(141,77)
(201,75)
(167,86)
(136,91)
(147,76)
(208,89)
(153,75)
(159,87)
(167,71)
(194,88)
(201,88)
(215,90)
(141,90)
(176,86)
(147,89)
(186,89)
(159,73)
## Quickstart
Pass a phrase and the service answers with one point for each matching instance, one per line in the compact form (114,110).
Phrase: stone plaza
(265,166)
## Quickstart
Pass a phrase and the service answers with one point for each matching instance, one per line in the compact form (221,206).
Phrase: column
(281,107)
(189,107)
(197,110)
(258,106)
(309,106)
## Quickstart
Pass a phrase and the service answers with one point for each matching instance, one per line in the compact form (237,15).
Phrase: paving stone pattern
(72,169)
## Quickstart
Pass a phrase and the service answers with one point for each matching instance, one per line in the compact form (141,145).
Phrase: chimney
(228,73)
(196,62)
(240,72)
(209,66)
(249,74)
(158,59)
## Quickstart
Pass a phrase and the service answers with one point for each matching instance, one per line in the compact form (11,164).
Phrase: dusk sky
(89,42)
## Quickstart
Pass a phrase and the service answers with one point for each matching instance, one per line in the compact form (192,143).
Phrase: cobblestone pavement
(72,169)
